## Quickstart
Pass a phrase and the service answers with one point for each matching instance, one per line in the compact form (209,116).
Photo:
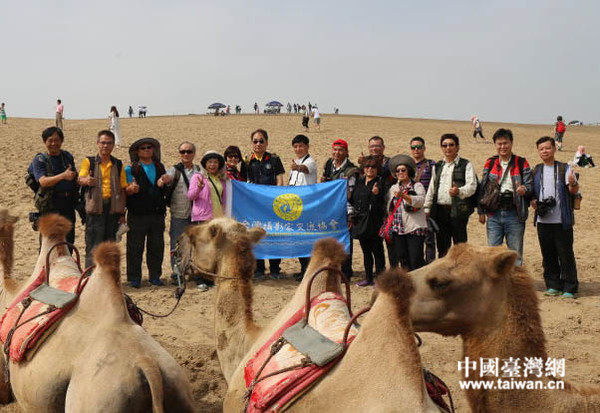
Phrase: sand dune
(572,327)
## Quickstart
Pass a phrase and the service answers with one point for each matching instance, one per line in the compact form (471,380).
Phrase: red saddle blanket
(329,316)
(32,333)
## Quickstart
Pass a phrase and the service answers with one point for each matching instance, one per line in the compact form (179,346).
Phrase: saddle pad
(329,316)
(31,334)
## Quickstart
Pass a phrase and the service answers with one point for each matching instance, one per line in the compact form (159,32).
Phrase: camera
(34,218)
(543,207)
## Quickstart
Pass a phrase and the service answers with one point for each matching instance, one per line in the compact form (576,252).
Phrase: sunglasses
(143,148)
(448,145)
(371,166)
(261,141)
(233,156)
(401,170)
(417,146)
(186,151)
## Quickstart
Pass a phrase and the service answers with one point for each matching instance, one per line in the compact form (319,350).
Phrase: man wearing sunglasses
(181,174)
(105,182)
(264,168)
(449,199)
(424,169)
(146,208)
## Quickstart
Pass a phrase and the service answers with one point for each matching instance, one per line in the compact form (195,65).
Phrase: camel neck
(517,332)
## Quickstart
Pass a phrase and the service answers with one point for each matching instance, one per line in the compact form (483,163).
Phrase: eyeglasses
(143,148)
(401,170)
(186,151)
(256,142)
(105,143)
(448,145)
(370,166)
(413,147)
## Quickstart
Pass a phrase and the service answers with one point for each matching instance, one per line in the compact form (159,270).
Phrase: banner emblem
(288,206)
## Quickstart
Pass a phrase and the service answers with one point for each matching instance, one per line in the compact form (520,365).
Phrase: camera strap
(555,182)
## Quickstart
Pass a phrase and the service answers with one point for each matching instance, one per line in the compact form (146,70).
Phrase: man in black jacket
(146,207)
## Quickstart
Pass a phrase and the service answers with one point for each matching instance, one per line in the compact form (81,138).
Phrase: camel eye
(438,285)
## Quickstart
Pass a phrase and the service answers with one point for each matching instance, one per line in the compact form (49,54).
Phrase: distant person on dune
(115,125)
(59,114)
(582,159)
(316,116)
(559,131)
(477,129)
(3,113)
(130,112)
(256,111)
(305,118)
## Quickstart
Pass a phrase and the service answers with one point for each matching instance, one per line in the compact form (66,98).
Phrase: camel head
(465,290)
(208,244)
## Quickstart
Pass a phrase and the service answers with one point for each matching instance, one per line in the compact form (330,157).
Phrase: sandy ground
(572,327)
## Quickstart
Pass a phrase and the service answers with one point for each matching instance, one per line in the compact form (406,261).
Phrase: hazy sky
(516,61)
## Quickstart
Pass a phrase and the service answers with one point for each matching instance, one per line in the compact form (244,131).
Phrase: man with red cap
(340,167)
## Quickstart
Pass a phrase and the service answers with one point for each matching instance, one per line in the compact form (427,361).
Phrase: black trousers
(451,230)
(347,265)
(478,132)
(99,228)
(429,245)
(146,229)
(273,266)
(372,248)
(558,259)
(408,249)
(303,264)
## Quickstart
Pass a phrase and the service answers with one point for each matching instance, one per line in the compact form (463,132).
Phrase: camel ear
(216,232)
(503,263)
(256,234)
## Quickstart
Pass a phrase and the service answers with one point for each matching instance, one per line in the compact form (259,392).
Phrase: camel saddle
(305,352)
(32,317)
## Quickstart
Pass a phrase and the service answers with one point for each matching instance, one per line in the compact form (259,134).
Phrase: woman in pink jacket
(207,189)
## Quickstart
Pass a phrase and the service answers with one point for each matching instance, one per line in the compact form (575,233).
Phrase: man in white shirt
(448,200)
(303,172)
(316,116)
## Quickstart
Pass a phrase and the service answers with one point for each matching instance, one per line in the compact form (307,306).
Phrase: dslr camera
(543,207)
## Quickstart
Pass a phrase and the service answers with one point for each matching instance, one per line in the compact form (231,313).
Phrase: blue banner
(295,217)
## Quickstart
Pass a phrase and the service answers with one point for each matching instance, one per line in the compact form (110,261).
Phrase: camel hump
(54,226)
(398,284)
(153,376)
(108,257)
(328,249)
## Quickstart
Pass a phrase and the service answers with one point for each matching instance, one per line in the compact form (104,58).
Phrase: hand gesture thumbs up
(375,189)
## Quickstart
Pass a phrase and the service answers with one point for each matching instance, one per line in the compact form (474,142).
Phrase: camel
(479,294)
(97,359)
(381,370)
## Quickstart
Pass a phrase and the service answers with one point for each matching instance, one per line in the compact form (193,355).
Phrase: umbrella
(274,103)
(217,106)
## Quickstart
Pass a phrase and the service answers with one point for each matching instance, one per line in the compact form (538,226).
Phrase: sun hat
(133,149)
(403,160)
(213,155)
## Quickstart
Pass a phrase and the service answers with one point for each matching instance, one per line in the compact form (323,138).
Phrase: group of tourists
(418,206)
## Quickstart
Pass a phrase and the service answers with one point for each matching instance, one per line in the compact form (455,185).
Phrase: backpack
(560,127)
(179,173)
(30,180)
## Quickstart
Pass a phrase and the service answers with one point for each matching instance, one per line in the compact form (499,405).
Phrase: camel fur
(381,370)
(97,359)
(479,294)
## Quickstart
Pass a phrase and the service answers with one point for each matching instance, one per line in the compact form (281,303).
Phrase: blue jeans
(506,224)
(178,225)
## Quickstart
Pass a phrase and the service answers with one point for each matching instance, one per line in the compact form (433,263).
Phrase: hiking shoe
(202,287)
(551,292)
(259,276)
(277,276)
(158,282)
(568,295)
(134,284)
(364,283)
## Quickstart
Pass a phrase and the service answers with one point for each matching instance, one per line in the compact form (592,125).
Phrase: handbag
(490,199)
(385,231)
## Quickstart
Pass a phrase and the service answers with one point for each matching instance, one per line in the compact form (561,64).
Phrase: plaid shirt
(397,223)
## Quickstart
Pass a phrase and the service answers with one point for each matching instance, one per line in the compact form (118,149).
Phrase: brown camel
(381,370)
(97,359)
(479,294)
